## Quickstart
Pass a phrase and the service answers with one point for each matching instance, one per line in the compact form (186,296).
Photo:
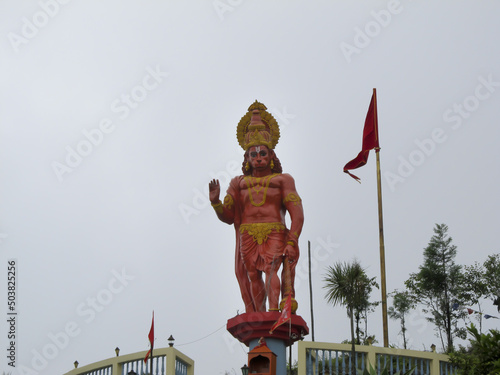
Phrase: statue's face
(259,157)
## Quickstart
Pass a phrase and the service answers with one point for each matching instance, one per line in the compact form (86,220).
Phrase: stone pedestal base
(248,328)
(252,326)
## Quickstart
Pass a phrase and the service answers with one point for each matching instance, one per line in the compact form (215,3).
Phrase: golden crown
(258,127)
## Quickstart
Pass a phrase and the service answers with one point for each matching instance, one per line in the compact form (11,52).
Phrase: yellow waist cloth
(260,231)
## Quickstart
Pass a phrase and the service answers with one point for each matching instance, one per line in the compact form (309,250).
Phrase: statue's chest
(259,191)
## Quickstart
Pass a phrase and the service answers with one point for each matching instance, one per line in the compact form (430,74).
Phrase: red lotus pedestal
(252,326)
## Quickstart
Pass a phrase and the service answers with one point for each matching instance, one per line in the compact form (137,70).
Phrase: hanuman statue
(256,203)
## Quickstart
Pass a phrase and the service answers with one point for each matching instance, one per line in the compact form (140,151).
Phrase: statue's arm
(225,211)
(293,204)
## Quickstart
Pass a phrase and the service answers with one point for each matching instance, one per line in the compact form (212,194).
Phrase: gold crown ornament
(258,128)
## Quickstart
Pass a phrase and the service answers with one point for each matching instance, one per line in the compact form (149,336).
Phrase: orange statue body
(256,203)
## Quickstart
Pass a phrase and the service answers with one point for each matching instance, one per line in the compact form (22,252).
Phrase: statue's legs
(257,288)
(263,256)
(249,256)
(242,277)
(273,284)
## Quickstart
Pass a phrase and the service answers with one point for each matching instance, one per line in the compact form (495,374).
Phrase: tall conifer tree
(437,286)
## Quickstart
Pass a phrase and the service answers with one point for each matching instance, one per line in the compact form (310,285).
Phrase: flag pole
(290,347)
(151,361)
(310,289)
(151,337)
(381,234)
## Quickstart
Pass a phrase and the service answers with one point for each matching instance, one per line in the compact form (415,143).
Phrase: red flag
(151,337)
(286,314)
(370,138)
(470,311)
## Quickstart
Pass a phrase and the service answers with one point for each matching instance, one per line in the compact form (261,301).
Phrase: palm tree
(348,285)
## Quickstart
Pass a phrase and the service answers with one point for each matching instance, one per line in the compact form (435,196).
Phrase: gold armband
(218,207)
(292,197)
(292,239)
(228,201)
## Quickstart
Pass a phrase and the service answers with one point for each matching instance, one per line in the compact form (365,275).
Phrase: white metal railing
(108,370)
(142,368)
(336,359)
(181,367)
(166,361)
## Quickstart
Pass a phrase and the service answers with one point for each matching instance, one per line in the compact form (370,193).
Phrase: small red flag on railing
(151,337)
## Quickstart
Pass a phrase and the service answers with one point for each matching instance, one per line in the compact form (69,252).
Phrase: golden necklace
(257,187)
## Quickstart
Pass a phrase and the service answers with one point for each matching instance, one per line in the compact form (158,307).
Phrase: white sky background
(119,209)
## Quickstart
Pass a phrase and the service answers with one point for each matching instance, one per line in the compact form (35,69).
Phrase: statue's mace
(288,285)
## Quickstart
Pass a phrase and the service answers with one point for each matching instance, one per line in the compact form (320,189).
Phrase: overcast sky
(114,116)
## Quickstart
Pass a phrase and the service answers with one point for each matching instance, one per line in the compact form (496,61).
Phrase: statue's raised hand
(214,188)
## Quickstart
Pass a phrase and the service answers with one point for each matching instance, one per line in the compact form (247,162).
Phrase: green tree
(294,370)
(402,303)
(361,314)
(437,287)
(348,285)
(474,289)
(492,276)
(481,357)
